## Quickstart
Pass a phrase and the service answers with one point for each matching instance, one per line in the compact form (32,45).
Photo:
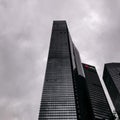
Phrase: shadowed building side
(100,107)
(83,106)
(111,76)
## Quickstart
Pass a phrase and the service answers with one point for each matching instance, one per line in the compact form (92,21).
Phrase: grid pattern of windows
(111,77)
(100,106)
(58,101)
(115,74)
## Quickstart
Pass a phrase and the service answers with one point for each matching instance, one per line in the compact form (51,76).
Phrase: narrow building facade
(100,107)
(111,76)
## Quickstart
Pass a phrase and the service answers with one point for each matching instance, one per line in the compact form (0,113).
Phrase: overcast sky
(25,29)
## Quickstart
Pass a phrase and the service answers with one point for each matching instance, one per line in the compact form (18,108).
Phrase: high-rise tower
(100,106)
(64,97)
(111,78)
(65,94)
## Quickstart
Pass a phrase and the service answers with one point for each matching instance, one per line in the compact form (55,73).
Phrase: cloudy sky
(25,29)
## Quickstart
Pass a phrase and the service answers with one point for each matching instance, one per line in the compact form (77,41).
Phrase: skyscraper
(65,94)
(100,106)
(63,97)
(111,78)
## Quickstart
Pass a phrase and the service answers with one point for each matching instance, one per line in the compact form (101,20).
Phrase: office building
(63,98)
(100,107)
(65,93)
(111,76)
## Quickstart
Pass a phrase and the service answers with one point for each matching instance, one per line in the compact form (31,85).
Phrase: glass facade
(58,101)
(111,78)
(100,106)
(70,92)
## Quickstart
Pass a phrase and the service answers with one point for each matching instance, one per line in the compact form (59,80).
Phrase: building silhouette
(111,76)
(100,106)
(66,93)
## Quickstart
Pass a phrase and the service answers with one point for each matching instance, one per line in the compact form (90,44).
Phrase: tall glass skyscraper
(65,94)
(111,78)
(100,106)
